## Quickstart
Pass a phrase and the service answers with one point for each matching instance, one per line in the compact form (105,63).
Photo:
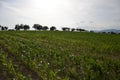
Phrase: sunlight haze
(87,14)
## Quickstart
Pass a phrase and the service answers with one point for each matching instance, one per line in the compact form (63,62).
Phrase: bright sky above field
(87,14)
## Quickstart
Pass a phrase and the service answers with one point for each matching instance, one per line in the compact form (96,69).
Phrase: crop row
(62,58)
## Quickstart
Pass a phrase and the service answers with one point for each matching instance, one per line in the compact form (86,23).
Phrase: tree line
(39,28)
(35,26)
(3,28)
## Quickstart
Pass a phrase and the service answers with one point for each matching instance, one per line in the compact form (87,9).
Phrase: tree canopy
(37,27)
(53,28)
(45,28)
(21,26)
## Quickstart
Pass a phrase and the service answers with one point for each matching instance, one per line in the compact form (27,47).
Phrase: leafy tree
(53,28)
(2,28)
(37,27)
(26,27)
(66,29)
(5,28)
(17,27)
(73,29)
(80,29)
(21,26)
(45,28)
(112,32)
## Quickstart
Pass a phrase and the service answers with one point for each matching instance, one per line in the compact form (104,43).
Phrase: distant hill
(110,30)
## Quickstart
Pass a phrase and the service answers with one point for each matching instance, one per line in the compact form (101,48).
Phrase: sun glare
(44,4)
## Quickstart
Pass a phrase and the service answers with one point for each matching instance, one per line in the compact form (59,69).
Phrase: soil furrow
(4,74)
(20,66)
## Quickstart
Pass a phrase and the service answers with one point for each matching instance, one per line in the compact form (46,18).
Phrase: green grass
(55,55)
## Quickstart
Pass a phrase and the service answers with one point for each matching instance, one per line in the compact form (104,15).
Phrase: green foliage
(54,55)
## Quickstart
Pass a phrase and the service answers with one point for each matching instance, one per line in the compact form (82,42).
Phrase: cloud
(13,9)
(103,13)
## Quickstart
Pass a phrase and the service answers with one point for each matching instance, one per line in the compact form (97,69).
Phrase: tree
(45,28)
(21,26)
(73,29)
(80,29)
(5,28)
(112,32)
(17,27)
(66,29)
(53,28)
(2,28)
(37,27)
(26,27)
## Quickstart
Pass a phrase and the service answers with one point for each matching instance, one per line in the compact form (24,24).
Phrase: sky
(86,14)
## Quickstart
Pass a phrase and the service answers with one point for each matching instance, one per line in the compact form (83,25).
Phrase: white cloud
(103,13)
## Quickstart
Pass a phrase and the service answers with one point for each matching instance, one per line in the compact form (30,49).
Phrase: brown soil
(19,66)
